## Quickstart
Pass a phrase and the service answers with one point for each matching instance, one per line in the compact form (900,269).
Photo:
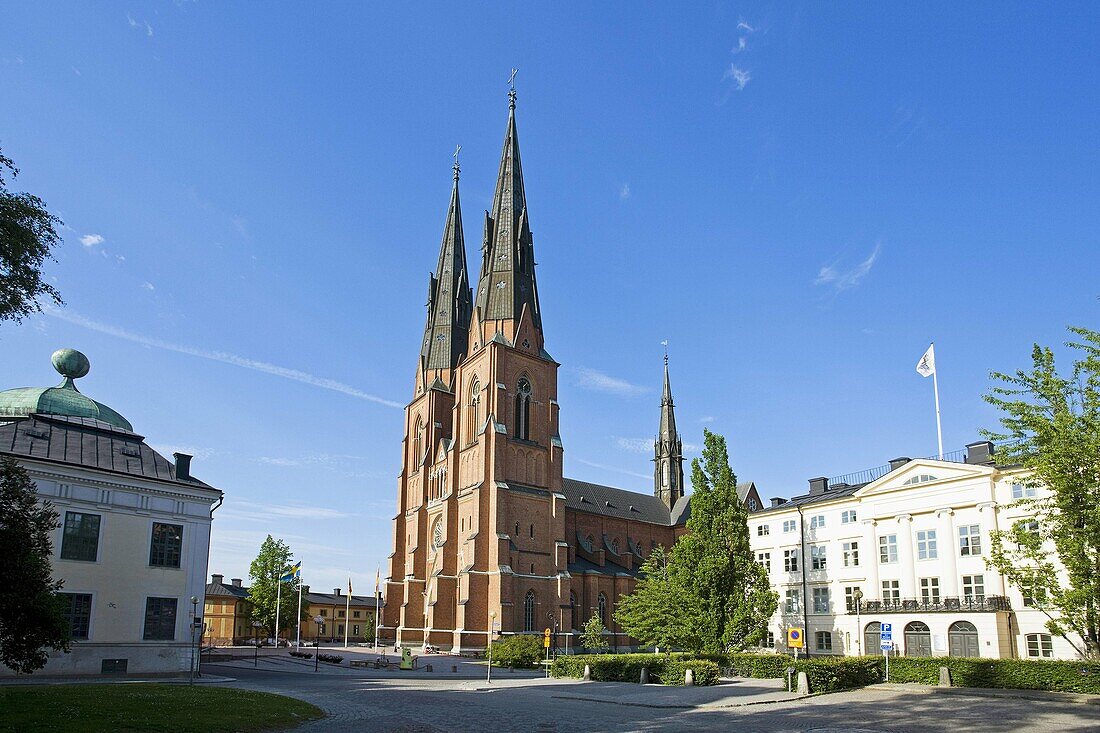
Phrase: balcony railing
(954,604)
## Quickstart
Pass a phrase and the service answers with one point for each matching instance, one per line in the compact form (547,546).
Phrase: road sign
(886,646)
(887,632)
(794,638)
(546,638)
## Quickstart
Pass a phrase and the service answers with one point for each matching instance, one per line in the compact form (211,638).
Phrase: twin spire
(506,286)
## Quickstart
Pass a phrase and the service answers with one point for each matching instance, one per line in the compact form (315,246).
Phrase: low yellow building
(225,613)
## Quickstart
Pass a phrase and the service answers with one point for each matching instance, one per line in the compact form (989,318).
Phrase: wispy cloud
(741,77)
(140,25)
(241,225)
(742,25)
(613,469)
(742,44)
(635,445)
(91,240)
(148,286)
(707,418)
(76,71)
(297,511)
(624,192)
(597,381)
(840,279)
(221,356)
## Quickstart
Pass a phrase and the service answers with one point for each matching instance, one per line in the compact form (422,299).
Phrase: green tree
(593,635)
(654,613)
(728,597)
(27,234)
(31,616)
(264,574)
(1051,424)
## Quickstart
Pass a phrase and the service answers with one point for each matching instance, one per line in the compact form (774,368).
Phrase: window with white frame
(817,557)
(824,641)
(1033,594)
(848,516)
(1040,645)
(973,587)
(888,548)
(762,530)
(791,601)
(769,640)
(789,525)
(851,554)
(926,545)
(891,590)
(765,559)
(821,600)
(817,522)
(930,590)
(970,540)
(850,597)
(790,561)
(1022,491)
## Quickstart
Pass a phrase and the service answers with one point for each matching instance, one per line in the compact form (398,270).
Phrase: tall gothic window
(664,474)
(418,442)
(523,409)
(603,609)
(473,414)
(572,610)
(529,611)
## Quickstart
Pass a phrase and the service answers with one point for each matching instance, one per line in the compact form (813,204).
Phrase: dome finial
(70,363)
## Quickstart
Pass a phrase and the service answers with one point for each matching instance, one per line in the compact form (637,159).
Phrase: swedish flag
(294,572)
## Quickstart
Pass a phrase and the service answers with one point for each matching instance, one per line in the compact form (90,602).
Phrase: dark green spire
(668,473)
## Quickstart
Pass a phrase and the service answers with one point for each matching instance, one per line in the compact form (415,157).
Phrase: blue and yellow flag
(294,572)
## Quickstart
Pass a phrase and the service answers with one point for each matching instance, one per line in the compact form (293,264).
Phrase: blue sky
(799,198)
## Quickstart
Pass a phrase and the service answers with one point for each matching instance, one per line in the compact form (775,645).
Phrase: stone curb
(1041,695)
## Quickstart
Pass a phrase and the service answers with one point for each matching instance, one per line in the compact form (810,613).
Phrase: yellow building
(225,613)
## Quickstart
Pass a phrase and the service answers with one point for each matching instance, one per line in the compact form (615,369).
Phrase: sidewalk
(727,694)
(1043,695)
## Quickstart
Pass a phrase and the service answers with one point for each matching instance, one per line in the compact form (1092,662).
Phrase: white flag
(926,367)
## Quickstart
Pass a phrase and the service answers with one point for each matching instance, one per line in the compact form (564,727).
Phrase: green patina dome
(64,399)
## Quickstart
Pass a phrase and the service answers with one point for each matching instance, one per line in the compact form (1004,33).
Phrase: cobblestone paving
(421,705)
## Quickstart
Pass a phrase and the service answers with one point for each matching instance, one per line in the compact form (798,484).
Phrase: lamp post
(256,640)
(857,598)
(194,625)
(492,628)
(318,619)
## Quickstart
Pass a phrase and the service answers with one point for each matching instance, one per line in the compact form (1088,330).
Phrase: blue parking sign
(887,632)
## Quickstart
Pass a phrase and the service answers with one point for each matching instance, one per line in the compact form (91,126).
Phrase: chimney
(980,453)
(819,485)
(183,466)
(778,501)
(896,463)
(217,579)
(236,582)
(336,592)
(305,589)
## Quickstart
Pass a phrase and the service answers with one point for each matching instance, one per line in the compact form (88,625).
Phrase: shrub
(518,651)
(1020,674)
(705,672)
(663,668)
(825,674)
(330,658)
(302,655)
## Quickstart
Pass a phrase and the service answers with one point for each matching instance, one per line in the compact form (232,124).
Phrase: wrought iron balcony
(952,604)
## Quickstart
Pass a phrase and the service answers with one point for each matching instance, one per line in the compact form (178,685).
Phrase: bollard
(511,668)
(689,679)
(428,668)
(587,673)
(945,677)
(803,684)
(645,676)
(454,667)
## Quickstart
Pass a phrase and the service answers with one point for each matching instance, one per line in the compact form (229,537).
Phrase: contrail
(221,356)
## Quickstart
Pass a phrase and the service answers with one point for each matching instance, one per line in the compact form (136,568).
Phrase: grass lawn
(147,707)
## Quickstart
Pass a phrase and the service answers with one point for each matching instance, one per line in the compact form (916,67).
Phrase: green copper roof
(64,399)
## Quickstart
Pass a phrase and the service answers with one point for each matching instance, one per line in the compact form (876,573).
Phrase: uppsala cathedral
(488,533)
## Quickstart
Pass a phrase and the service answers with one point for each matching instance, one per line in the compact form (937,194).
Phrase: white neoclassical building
(904,544)
(134,539)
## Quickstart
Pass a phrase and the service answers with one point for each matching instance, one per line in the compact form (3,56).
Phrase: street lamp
(857,598)
(194,626)
(492,628)
(256,640)
(317,646)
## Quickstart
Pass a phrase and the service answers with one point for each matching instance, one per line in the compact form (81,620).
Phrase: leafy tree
(27,234)
(593,635)
(654,613)
(728,597)
(1051,424)
(264,573)
(31,617)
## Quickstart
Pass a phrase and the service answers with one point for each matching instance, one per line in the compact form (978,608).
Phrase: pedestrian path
(729,693)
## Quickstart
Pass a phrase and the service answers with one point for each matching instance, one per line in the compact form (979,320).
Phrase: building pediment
(922,472)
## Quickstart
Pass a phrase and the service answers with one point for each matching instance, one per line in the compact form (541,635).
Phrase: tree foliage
(593,635)
(656,611)
(27,234)
(270,565)
(1051,424)
(31,617)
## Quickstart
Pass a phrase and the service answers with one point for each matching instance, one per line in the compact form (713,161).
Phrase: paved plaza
(443,700)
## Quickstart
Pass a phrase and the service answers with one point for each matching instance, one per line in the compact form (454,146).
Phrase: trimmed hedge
(1018,674)
(664,669)
(524,650)
(825,674)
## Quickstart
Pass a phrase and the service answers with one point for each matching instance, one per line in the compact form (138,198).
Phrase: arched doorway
(962,639)
(872,637)
(918,639)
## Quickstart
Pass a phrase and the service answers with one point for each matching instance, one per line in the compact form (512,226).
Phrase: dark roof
(221,589)
(87,442)
(681,511)
(611,502)
(807,499)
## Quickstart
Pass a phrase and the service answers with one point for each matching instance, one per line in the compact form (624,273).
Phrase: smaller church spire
(668,458)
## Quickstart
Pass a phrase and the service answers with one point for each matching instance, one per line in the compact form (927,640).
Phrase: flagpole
(278,598)
(347,616)
(298,640)
(936,391)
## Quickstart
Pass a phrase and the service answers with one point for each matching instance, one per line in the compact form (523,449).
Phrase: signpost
(546,645)
(887,643)
(795,639)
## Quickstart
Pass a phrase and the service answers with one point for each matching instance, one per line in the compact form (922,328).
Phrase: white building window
(790,561)
(817,522)
(821,600)
(970,540)
(790,602)
(849,597)
(824,641)
(891,591)
(1040,645)
(926,545)
(769,640)
(765,559)
(888,548)
(848,516)
(763,530)
(789,525)
(973,587)
(921,479)
(930,590)
(1020,491)
(817,557)
(851,554)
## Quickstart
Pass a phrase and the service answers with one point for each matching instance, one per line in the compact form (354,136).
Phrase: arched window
(921,479)
(603,609)
(523,409)
(517,531)
(437,533)
(529,611)
(532,531)
(918,639)
(473,412)
(962,639)
(872,637)
(572,610)
(418,441)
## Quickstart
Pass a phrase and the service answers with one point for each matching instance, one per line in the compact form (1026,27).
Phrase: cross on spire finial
(458,149)
(512,88)
(665,344)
